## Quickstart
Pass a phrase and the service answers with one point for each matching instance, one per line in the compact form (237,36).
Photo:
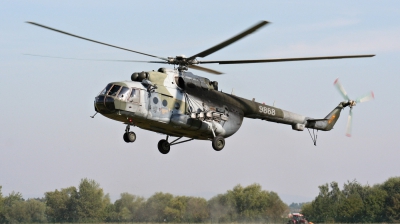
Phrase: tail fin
(327,123)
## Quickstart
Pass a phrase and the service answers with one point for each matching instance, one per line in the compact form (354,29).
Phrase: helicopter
(177,103)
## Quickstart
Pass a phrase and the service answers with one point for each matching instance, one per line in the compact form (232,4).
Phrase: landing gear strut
(218,143)
(164,146)
(129,136)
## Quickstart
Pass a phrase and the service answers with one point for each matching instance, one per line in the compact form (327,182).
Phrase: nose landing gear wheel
(126,137)
(163,146)
(218,143)
(129,137)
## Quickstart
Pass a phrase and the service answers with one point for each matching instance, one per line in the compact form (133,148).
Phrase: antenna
(93,115)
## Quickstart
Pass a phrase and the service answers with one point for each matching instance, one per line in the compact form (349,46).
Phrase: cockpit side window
(106,89)
(134,97)
(114,90)
(122,95)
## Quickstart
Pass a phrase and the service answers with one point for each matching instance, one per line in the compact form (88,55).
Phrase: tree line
(88,203)
(356,203)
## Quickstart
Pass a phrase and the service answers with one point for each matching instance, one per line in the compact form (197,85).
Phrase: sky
(48,141)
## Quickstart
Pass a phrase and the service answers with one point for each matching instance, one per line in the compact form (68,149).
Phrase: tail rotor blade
(340,87)
(367,97)
(349,123)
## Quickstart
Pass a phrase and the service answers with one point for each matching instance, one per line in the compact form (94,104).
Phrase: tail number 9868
(266,110)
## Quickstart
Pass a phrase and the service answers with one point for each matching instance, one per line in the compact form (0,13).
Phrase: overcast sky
(48,141)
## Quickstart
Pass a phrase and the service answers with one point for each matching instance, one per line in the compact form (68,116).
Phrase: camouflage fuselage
(186,105)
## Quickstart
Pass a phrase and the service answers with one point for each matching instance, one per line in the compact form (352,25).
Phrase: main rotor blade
(89,59)
(95,41)
(367,97)
(340,87)
(205,69)
(230,41)
(349,123)
(286,59)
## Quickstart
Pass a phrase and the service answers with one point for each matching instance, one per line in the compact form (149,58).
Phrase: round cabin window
(164,103)
(155,100)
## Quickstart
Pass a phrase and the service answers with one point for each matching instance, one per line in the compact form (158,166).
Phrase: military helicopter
(177,103)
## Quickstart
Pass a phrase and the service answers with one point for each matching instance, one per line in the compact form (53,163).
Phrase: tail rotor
(367,97)
(351,103)
(349,123)
(340,87)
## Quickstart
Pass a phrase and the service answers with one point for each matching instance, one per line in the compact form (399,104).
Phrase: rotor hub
(352,103)
(182,62)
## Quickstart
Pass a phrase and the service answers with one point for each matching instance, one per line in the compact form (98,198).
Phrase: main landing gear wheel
(218,143)
(129,137)
(164,146)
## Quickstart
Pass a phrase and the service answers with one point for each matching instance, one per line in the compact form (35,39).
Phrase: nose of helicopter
(104,105)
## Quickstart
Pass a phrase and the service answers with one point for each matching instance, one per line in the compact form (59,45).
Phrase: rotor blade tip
(336,81)
(348,135)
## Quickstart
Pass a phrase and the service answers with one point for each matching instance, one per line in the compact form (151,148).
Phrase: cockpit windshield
(106,89)
(121,92)
(114,90)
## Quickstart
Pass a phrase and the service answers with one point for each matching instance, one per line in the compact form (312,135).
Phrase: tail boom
(327,123)
(298,122)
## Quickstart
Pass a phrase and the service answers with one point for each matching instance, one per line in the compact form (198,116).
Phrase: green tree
(392,202)
(61,205)
(335,198)
(308,211)
(36,210)
(85,204)
(196,210)
(275,207)
(249,203)
(356,203)
(2,217)
(374,204)
(13,208)
(110,213)
(91,201)
(221,209)
(175,209)
(319,209)
(107,205)
(155,207)
(128,207)
(17,212)
(352,207)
